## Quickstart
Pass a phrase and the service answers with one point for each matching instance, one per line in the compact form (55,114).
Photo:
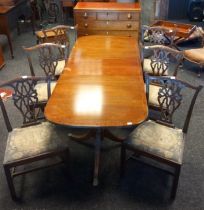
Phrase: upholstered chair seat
(148,69)
(153,94)
(32,141)
(60,67)
(50,34)
(158,140)
(41,89)
(195,55)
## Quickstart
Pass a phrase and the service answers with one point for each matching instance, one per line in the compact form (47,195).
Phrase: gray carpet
(142,187)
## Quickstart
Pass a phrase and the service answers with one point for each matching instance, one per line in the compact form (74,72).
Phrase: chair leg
(33,25)
(65,156)
(10,182)
(175,182)
(18,28)
(199,70)
(122,160)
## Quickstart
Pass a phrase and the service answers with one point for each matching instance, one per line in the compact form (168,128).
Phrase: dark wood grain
(101,85)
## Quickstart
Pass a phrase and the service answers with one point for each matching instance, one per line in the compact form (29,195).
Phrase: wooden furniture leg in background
(4,26)
(1,58)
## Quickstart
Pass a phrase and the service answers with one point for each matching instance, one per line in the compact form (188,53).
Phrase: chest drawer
(108,33)
(110,25)
(128,16)
(107,16)
(85,16)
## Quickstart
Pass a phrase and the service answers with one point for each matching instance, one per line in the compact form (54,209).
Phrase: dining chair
(45,59)
(158,35)
(57,34)
(27,19)
(46,11)
(163,140)
(163,61)
(35,139)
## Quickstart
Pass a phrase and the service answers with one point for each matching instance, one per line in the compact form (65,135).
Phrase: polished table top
(101,85)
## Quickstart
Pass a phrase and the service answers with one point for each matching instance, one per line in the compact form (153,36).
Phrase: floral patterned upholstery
(60,67)
(34,140)
(158,140)
(41,89)
(147,67)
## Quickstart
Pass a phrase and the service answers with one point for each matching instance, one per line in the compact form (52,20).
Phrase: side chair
(58,34)
(35,140)
(162,140)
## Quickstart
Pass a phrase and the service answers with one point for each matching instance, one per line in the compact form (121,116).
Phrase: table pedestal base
(99,134)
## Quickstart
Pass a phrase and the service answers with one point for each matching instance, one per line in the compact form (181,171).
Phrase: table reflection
(88,100)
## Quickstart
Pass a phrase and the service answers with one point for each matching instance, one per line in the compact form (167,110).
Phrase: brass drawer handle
(85,15)
(129,16)
(129,25)
(85,25)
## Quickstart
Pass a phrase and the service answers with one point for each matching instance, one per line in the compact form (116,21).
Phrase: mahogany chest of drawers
(107,18)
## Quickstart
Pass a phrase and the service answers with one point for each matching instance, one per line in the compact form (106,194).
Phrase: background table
(4,19)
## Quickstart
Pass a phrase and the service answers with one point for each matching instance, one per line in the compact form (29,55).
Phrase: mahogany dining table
(101,87)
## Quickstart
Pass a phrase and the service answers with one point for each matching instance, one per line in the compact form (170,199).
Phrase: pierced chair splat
(36,139)
(162,140)
(162,60)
